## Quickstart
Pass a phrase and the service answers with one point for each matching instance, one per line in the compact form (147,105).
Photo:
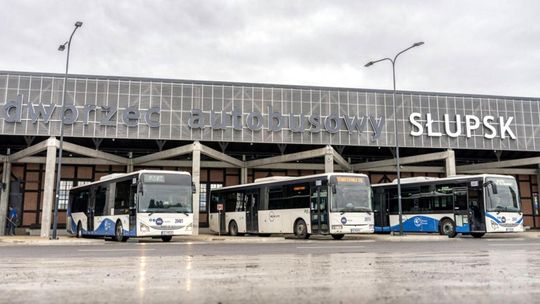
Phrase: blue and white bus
(145,203)
(474,205)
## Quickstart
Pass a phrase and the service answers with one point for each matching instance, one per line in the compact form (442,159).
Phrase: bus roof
(116,176)
(422,179)
(270,180)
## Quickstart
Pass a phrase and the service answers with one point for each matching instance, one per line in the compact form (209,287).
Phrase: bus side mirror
(140,188)
(193,189)
(334,189)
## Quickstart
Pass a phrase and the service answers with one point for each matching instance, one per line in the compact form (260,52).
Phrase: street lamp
(61,48)
(393,61)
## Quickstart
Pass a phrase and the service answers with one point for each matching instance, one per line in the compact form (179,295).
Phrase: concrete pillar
(130,163)
(535,207)
(450,163)
(196,177)
(328,161)
(243,172)
(4,196)
(48,192)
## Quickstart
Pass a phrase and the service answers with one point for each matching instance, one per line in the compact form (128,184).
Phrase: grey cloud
(487,47)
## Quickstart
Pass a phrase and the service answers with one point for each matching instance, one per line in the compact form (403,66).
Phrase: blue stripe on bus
(420,223)
(106,228)
(499,222)
(493,218)
(463,229)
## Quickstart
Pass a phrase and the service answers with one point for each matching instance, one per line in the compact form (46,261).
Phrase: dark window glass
(289,197)
(230,201)
(275,198)
(217,198)
(123,195)
(101,198)
(80,201)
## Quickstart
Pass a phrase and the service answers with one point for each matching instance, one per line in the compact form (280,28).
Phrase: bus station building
(227,133)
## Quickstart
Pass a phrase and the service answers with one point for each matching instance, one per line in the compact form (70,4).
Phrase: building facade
(229,133)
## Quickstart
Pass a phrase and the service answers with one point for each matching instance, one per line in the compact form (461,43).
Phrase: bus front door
(90,211)
(382,222)
(252,214)
(476,207)
(461,210)
(319,210)
(133,208)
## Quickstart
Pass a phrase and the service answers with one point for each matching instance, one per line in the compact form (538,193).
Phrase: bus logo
(503,219)
(344,220)
(418,221)
(159,221)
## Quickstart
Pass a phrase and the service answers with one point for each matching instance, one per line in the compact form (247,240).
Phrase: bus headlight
(144,228)
(189,227)
(337,227)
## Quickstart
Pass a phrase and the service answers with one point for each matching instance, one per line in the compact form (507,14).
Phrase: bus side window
(460,199)
(230,202)
(101,195)
(122,197)
(80,201)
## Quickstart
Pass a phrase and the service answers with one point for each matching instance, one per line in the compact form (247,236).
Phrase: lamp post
(61,48)
(393,61)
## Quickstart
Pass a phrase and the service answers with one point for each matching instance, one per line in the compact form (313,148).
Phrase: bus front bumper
(352,229)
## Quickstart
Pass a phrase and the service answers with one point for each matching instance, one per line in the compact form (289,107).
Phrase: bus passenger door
(90,210)
(461,210)
(133,202)
(252,214)
(319,210)
(380,210)
(476,207)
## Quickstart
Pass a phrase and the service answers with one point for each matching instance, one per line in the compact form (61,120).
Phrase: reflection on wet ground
(470,277)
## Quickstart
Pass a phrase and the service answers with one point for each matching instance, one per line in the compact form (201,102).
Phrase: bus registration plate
(509,229)
(356,230)
(167,232)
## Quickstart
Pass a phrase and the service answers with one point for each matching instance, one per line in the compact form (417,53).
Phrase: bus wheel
(79,230)
(448,228)
(477,235)
(166,238)
(337,236)
(300,229)
(119,233)
(233,228)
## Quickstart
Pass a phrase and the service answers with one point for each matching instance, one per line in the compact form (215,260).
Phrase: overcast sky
(484,47)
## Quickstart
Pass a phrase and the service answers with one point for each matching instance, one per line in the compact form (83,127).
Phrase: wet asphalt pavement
(463,270)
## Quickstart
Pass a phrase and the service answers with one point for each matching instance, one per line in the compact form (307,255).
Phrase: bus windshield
(169,194)
(351,194)
(506,198)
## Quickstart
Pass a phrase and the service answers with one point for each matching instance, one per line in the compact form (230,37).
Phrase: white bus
(474,204)
(334,204)
(145,203)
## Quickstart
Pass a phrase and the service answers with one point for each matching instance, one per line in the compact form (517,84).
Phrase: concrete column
(4,196)
(450,163)
(535,210)
(196,176)
(328,160)
(243,172)
(130,163)
(48,192)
